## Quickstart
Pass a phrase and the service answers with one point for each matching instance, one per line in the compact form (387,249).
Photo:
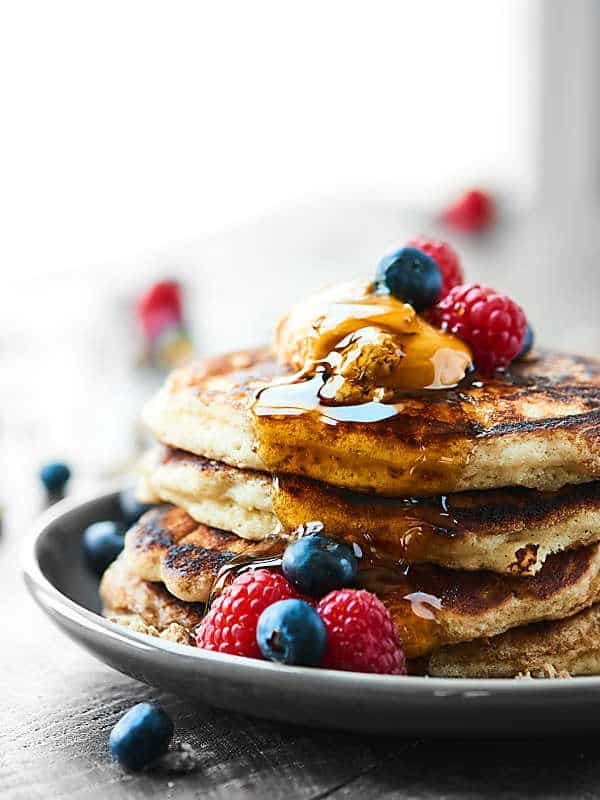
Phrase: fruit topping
(317,564)
(410,275)
(528,343)
(230,624)
(291,632)
(492,324)
(445,257)
(361,636)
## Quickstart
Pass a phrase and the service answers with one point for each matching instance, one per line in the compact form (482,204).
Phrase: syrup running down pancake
(504,530)
(552,648)
(430,606)
(535,426)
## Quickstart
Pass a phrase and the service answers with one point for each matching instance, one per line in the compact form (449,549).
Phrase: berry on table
(102,542)
(528,343)
(160,306)
(473,211)
(446,259)
(492,324)
(317,564)
(54,476)
(141,736)
(291,632)
(230,624)
(130,506)
(410,275)
(361,636)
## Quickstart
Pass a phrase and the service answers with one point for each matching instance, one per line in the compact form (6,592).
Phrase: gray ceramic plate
(59,581)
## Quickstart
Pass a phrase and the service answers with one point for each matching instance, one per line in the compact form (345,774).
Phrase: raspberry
(473,211)
(446,259)
(230,625)
(361,636)
(158,307)
(492,324)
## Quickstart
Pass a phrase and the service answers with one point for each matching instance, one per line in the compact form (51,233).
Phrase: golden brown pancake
(544,649)
(504,530)
(431,606)
(168,545)
(146,607)
(537,426)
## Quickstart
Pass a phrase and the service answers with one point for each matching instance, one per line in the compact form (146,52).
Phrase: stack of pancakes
(475,510)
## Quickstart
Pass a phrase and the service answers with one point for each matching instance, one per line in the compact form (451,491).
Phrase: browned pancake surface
(431,606)
(126,596)
(504,530)
(537,426)
(570,645)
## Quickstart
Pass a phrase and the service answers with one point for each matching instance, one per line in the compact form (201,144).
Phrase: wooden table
(68,388)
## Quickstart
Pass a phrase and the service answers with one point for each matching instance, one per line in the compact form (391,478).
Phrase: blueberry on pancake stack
(409,418)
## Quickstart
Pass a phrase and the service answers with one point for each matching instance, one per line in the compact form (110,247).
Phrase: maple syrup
(236,566)
(350,377)
(407,590)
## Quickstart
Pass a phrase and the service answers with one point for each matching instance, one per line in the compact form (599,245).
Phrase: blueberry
(131,508)
(528,343)
(317,564)
(410,275)
(55,475)
(141,736)
(291,632)
(102,543)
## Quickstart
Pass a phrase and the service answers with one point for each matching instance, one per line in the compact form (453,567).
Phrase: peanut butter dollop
(369,344)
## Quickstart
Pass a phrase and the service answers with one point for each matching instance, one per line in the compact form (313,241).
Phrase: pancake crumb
(183,758)
(547,671)
(172,633)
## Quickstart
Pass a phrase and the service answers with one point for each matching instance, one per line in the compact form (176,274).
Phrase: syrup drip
(419,355)
(236,566)
(390,529)
(406,589)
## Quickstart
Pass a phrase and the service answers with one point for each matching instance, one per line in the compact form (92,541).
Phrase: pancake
(146,607)
(506,530)
(544,649)
(431,606)
(537,426)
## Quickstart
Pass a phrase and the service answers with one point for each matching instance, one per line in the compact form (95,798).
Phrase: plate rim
(46,595)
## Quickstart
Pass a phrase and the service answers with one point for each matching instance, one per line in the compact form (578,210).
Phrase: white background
(132,124)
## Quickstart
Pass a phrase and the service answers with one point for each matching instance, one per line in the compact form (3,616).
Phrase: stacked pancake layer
(477,510)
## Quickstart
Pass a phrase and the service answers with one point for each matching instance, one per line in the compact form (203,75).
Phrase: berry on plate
(361,636)
(410,275)
(102,542)
(492,324)
(54,476)
(141,736)
(473,211)
(317,564)
(291,632)
(230,624)
(130,506)
(446,259)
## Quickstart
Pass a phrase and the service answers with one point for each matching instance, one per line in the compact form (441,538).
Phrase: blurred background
(254,151)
